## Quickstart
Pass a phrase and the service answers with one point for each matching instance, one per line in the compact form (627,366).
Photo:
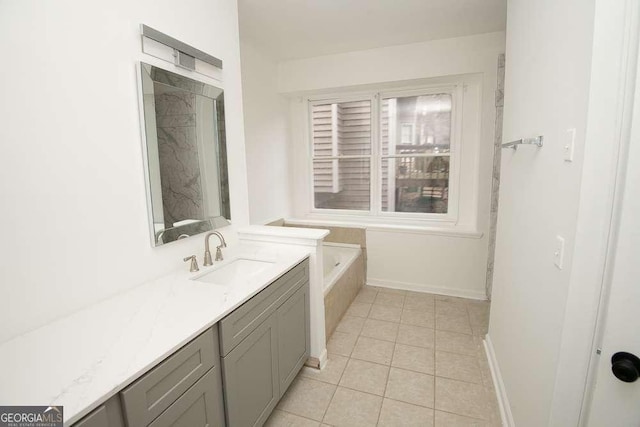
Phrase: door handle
(625,366)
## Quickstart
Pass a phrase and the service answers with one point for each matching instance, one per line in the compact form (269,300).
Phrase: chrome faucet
(194,263)
(207,252)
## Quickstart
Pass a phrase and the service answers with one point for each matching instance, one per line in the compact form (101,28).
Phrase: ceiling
(287,29)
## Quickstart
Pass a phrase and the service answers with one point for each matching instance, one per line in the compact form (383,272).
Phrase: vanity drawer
(200,406)
(149,396)
(239,324)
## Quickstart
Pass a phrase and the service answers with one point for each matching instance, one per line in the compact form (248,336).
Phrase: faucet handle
(194,263)
(219,253)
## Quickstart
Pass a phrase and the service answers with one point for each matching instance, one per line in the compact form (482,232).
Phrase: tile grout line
(460,415)
(338,384)
(435,366)
(324,413)
(481,383)
(383,397)
(466,307)
(297,415)
(386,383)
(433,348)
(390,398)
(435,362)
(384,392)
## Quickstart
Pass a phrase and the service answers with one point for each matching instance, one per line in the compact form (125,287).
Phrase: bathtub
(337,258)
(344,275)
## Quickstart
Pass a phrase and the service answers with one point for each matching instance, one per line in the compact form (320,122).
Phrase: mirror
(186,159)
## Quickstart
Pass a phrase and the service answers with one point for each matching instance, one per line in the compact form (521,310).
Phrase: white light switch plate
(569,144)
(558,253)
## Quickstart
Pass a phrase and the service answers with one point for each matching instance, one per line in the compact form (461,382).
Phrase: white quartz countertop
(82,360)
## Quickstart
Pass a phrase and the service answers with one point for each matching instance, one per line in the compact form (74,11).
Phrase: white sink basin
(239,269)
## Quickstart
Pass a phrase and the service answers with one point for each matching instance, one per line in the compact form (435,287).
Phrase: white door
(615,402)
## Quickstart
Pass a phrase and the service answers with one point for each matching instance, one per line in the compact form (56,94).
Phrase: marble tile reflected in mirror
(186,159)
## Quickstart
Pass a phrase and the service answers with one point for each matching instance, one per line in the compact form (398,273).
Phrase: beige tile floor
(399,358)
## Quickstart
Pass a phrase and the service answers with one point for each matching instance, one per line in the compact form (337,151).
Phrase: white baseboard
(323,359)
(419,287)
(318,362)
(501,392)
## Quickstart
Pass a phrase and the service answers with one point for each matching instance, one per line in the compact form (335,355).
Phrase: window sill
(397,226)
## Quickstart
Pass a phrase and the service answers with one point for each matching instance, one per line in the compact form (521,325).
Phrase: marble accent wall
(495,185)
(178,152)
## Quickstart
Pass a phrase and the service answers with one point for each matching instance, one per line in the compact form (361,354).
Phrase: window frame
(455,90)
(311,184)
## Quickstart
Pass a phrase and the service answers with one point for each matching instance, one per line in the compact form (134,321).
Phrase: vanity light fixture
(185,55)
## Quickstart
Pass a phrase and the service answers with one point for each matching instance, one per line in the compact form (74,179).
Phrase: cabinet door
(107,415)
(250,374)
(293,336)
(200,406)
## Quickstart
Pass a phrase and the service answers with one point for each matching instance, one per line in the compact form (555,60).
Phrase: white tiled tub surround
(82,360)
(399,358)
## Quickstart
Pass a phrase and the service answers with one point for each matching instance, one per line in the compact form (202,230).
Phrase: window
(415,133)
(384,154)
(342,155)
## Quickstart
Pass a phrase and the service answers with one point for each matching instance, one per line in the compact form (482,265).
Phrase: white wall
(458,263)
(73,205)
(613,79)
(548,63)
(425,262)
(266,136)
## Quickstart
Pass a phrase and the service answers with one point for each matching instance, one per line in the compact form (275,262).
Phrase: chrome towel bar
(537,141)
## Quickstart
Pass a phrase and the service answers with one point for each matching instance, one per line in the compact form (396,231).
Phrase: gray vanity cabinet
(158,389)
(261,359)
(293,336)
(257,350)
(200,406)
(251,376)
(185,389)
(108,414)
